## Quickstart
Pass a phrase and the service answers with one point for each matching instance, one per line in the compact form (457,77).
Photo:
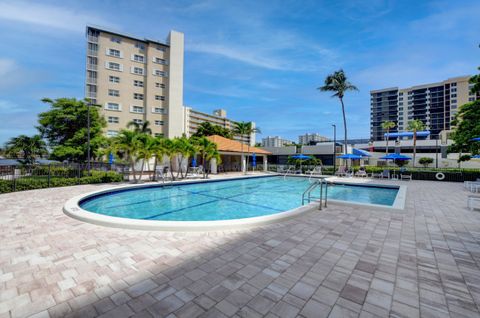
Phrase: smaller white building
(308,139)
(275,141)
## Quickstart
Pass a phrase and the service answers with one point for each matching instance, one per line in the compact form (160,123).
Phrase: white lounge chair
(473,202)
(341,171)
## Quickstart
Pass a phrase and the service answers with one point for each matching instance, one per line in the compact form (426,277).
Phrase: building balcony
(93,39)
(91,80)
(91,95)
(92,52)
(92,67)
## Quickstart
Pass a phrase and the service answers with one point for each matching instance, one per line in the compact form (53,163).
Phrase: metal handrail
(285,175)
(306,196)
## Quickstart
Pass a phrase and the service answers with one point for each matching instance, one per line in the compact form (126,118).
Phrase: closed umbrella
(254,160)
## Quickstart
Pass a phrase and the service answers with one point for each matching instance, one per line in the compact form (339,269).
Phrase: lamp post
(88,136)
(334,148)
(436,151)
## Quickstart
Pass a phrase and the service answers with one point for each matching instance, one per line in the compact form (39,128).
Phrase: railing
(91,95)
(92,52)
(91,80)
(28,177)
(92,67)
(307,194)
(93,39)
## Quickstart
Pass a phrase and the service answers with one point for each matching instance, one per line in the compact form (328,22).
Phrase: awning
(361,152)
(423,133)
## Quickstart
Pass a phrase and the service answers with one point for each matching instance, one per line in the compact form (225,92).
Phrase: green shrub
(40,182)
(425,161)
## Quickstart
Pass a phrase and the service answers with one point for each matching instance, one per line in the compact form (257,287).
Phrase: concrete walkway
(340,262)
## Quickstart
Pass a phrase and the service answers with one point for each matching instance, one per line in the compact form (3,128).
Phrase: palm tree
(27,148)
(244,129)
(128,143)
(208,151)
(415,126)
(143,128)
(159,151)
(184,150)
(146,150)
(170,147)
(387,125)
(338,83)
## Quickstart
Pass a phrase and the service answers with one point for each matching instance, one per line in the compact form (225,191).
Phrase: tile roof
(225,144)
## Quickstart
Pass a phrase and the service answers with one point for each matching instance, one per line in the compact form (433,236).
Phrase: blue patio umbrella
(194,162)
(395,156)
(475,139)
(111,158)
(350,156)
(254,160)
(476,157)
(302,157)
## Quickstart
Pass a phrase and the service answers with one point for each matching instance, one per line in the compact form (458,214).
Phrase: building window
(114,53)
(158,110)
(138,83)
(113,120)
(453,84)
(454,101)
(140,46)
(453,95)
(138,96)
(114,92)
(159,123)
(138,58)
(112,133)
(159,85)
(114,79)
(137,70)
(159,73)
(114,66)
(159,60)
(471,99)
(113,106)
(136,109)
(453,90)
(158,97)
(116,39)
(161,49)
(138,121)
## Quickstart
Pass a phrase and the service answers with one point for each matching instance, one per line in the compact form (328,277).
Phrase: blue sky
(260,60)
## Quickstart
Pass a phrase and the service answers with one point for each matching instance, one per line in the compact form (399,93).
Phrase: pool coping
(72,208)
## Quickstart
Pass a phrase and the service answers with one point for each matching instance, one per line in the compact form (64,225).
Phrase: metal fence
(27,177)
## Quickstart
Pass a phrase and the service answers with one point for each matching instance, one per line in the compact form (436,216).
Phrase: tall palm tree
(128,143)
(159,151)
(244,129)
(208,151)
(387,125)
(184,149)
(415,126)
(143,128)
(339,84)
(27,148)
(147,147)
(171,150)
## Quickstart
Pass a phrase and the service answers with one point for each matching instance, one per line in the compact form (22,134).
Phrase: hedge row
(40,182)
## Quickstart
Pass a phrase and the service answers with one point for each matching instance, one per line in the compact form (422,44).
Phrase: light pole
(334,148)
(88,136)
(436,151)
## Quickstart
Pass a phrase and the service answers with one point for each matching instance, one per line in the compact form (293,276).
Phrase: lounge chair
(473,202)
(341,172)
(468,184)
(315,171)
(195,172)
(384,174)
(361,174)
(161,173)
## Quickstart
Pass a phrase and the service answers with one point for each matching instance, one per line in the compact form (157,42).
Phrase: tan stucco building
(139,79)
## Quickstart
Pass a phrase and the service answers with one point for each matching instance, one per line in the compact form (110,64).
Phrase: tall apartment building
(435,104)
(194,118)
(138,79)
(308,139)
(275,141)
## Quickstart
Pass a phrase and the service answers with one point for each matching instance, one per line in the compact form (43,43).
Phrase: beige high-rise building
(138,79)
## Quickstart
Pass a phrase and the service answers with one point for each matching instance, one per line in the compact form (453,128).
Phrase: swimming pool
(223,200)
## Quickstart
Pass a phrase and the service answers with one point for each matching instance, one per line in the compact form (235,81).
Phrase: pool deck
(344,261)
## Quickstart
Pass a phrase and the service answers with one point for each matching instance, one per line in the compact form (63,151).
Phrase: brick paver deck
(339,262)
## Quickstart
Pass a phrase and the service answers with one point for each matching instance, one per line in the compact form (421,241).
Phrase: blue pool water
(224,200)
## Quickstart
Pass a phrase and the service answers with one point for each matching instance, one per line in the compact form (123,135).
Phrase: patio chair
(341,171)
(195,172)
(405,176)
(361,174)
(161,173)
(468,184)
(384,174)
(475,187)
(473,202)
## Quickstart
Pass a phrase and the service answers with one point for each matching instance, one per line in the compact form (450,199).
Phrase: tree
(146,149)
(208,129)
(184,150)
(143,128)
(244,129)
(466,126)
(338,83)
(425,161)
(475,80)
(462,159)
(27,148)
(64,126)
(128,144)
(387,125)
(170,148)
(415,126)
(159,151)
(208,151)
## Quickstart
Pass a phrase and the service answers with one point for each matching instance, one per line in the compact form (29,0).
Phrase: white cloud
(47,16)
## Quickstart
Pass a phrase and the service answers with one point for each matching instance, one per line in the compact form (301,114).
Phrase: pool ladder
(307,194)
